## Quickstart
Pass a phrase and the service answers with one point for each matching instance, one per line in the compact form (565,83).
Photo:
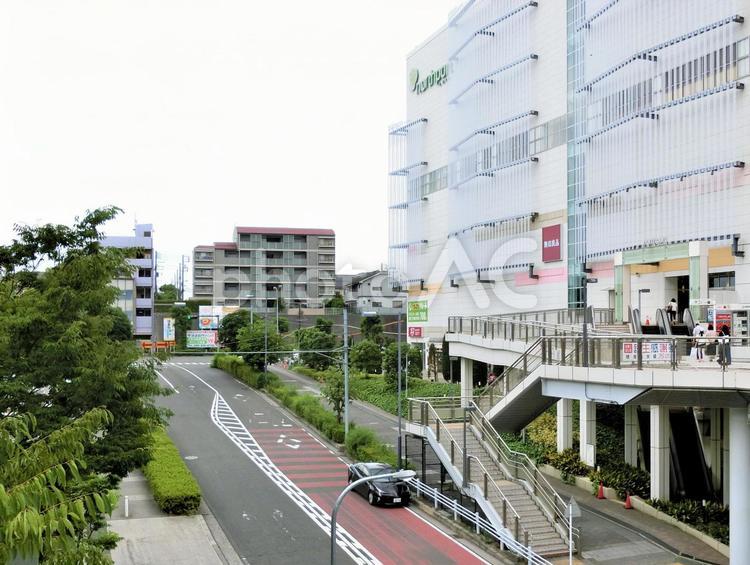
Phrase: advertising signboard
(201,339)
(417,311)
(415,331)
(551,246)
(659,352)
(169,332)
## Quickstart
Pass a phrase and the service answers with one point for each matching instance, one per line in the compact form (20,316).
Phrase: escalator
(690,475)
(637,327)
(684,328)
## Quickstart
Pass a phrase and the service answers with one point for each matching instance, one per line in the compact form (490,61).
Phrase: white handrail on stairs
(480,524)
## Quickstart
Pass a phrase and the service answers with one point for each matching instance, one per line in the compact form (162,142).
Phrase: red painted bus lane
(393,535)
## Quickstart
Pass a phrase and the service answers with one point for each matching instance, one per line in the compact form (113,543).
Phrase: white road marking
(262,422)
(250,447)
(295,440)
(434,527)
(258,414)
(293,446)
(279,440)
(167,381)
(191,457)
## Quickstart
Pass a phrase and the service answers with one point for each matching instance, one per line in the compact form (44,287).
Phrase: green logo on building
(417,311)
(437,77)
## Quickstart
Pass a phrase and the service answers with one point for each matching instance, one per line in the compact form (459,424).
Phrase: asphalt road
(271,484)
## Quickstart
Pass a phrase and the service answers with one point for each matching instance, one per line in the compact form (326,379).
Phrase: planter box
(642,506)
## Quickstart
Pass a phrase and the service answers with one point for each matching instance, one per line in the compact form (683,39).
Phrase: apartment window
(274,239)
(143,254)
(143,311)
(143,292)
(723,280)
(398,303)
(231,254)
(231,286)
(204,272)
(377,304)
(377,288)
(144,273)
(147,234)
(204,256)
(126,294)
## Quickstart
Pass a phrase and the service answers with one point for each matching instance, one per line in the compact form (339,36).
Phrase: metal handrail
(515,459)
(481,524)
(487,477)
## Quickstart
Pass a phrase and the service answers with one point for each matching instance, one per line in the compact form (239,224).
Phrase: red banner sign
(551,244)
(415,331)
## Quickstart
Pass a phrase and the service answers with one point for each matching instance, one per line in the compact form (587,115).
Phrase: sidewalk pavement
(150,536)
(658,532)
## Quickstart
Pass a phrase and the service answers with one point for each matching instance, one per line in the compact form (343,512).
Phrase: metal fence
(479,523)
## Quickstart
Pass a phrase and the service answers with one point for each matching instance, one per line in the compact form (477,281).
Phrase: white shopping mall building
(561,155)
(549,143)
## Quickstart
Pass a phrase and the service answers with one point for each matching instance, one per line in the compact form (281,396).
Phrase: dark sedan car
(379,491)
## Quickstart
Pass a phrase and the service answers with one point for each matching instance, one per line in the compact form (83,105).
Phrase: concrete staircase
(543,537)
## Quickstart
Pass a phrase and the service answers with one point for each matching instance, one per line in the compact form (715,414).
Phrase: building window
(126,294)
(143,292)
(147,234)
(377,304)
(723,280)
(204,256)
(398,303)
(144,273)
(143,311)
(229,254)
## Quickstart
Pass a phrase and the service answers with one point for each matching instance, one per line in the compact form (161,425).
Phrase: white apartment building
(570,153)
(137,293)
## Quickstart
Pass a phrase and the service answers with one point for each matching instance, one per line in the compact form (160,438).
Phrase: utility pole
(346,372)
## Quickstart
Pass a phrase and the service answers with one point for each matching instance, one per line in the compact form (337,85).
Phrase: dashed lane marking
(223,416)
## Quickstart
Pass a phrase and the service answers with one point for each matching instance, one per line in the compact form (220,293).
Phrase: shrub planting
(175,489)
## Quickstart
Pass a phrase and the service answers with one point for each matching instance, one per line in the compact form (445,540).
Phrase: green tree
(390,364)
(182,316)
(432,362)
(337,301)
(445,360)
(372,329)
(366,356)
(324,324)
(312,339)
(122,329)
(333,391)
(230,326)
(57,357)
(253,338)
(283,325)
(167,293)
(414,356)
(46,507)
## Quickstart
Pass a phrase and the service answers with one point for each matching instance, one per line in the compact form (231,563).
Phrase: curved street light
(403,474)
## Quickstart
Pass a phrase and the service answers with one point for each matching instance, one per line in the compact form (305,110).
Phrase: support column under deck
(467,380)
(660,452)
(631,434)
(587,428)
(739,501)
(564,424)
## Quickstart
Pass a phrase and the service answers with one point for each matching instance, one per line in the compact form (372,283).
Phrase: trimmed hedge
(710,518)
(236,366)
(361,445)
(175,489)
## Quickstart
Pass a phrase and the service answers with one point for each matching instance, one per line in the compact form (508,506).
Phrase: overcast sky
(199,115)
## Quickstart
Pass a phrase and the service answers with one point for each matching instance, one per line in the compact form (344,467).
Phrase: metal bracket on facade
(454,284)
(480,279)
(736,246)
(587,269)
(421,284)
(532,275)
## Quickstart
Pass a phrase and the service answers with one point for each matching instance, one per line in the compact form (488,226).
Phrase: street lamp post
(401,475)
(398,444)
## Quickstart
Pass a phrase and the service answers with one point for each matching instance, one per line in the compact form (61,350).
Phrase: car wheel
(406,502)
(371,498)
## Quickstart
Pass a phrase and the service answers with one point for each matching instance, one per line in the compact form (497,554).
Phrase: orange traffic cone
(628,505)
(600,494)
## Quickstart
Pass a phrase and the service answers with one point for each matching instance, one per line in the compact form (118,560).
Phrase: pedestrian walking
(698,333)
(671,309)
(711,342)
(725,346)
